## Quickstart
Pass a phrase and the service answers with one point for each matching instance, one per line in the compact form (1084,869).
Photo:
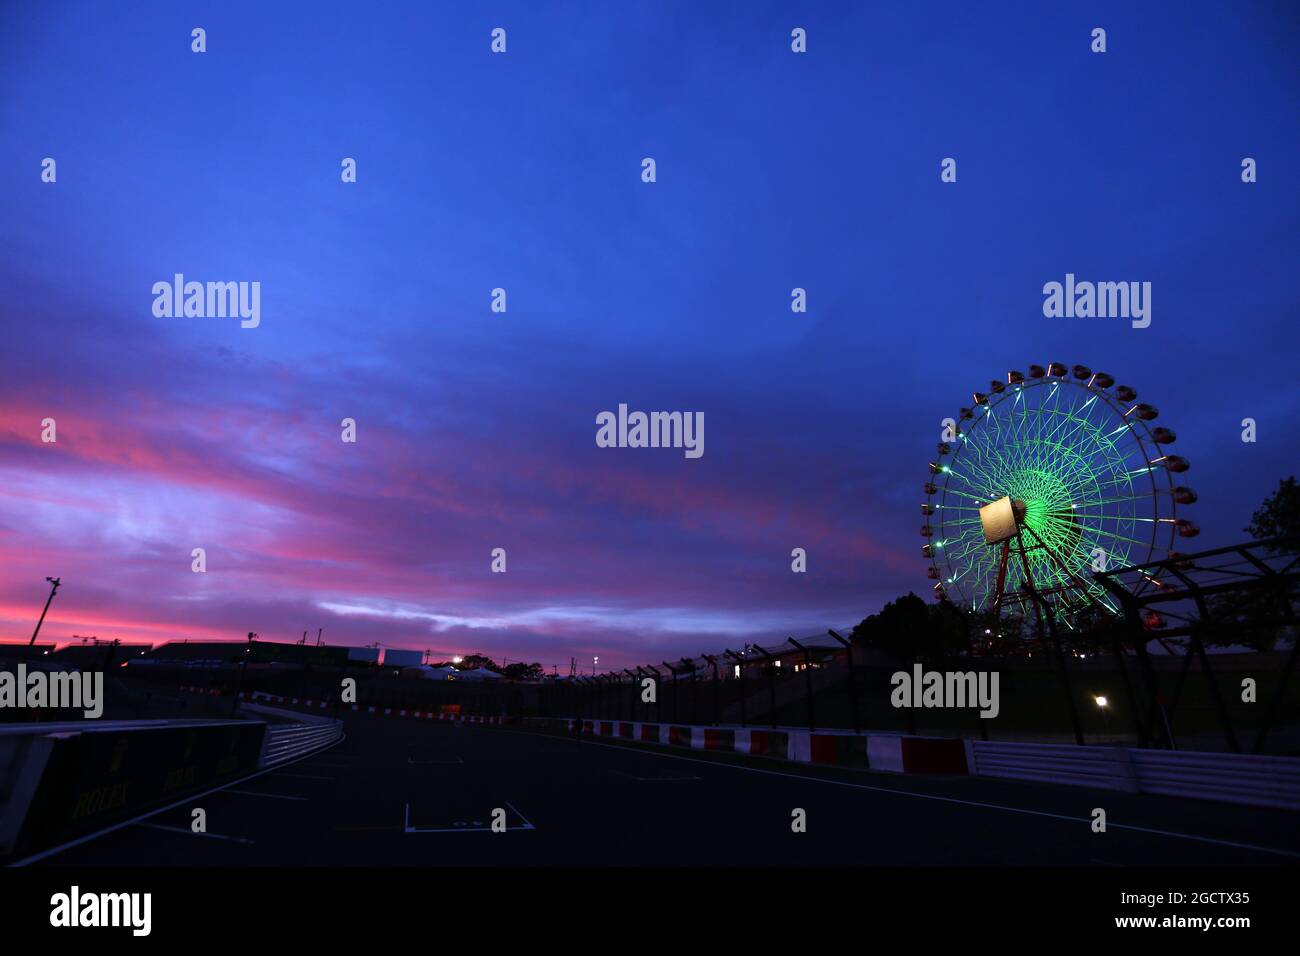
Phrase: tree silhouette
(1279,515)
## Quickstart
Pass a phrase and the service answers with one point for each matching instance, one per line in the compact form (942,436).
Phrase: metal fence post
(1044,609)
(808,687)
(1213,685)
(771,685)
(695,691)
(674,673)
(631,704)
(740,677)
(713,661)
(853,682)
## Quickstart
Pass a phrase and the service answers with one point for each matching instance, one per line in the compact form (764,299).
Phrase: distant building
(225,653)
(98,654)
(20,651)
(395,657)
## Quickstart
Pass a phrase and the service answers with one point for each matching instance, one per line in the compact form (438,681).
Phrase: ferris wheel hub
(1000,520)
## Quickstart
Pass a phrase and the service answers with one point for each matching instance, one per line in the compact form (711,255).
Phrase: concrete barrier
(23,758)
(76,778)
(906,754)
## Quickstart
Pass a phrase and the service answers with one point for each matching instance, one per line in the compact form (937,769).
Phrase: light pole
(594,661)
(1102,703)
(243,666)
(54,586)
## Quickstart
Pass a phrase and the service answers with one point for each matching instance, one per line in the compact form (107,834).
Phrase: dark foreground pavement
(423,794)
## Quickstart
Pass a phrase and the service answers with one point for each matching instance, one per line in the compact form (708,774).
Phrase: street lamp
(243,667)
(1101,702)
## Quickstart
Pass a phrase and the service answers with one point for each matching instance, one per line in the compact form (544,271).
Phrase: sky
(476,429)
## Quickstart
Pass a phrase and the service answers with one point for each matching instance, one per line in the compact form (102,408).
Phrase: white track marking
(188,832)
(36,857)
(1110,825)
(303,776)
(407,828)
(255,793)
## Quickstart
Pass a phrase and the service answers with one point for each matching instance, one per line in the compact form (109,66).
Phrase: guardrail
(1235,778)
(1106,767)
(1231,778)
(292,741)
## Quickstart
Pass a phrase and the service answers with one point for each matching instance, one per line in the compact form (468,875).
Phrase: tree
(950,630)
(907,629)
(1247,618)
(1097,629)
(1279,515)
(896,629)
(522,671)
(1254,618)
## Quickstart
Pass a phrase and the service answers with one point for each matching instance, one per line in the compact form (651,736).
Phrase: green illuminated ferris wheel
(1048,478)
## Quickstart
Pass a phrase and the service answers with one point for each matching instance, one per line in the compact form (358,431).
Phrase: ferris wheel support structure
(1046,480)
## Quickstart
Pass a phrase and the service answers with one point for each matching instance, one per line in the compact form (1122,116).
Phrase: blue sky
(522,171)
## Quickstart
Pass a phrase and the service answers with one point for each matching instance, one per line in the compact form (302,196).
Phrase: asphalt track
(410,793)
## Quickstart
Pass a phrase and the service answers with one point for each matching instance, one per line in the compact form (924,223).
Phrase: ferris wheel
(1048,478)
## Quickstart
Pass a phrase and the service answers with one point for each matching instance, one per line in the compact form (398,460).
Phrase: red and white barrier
(396,712)
(892,753)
